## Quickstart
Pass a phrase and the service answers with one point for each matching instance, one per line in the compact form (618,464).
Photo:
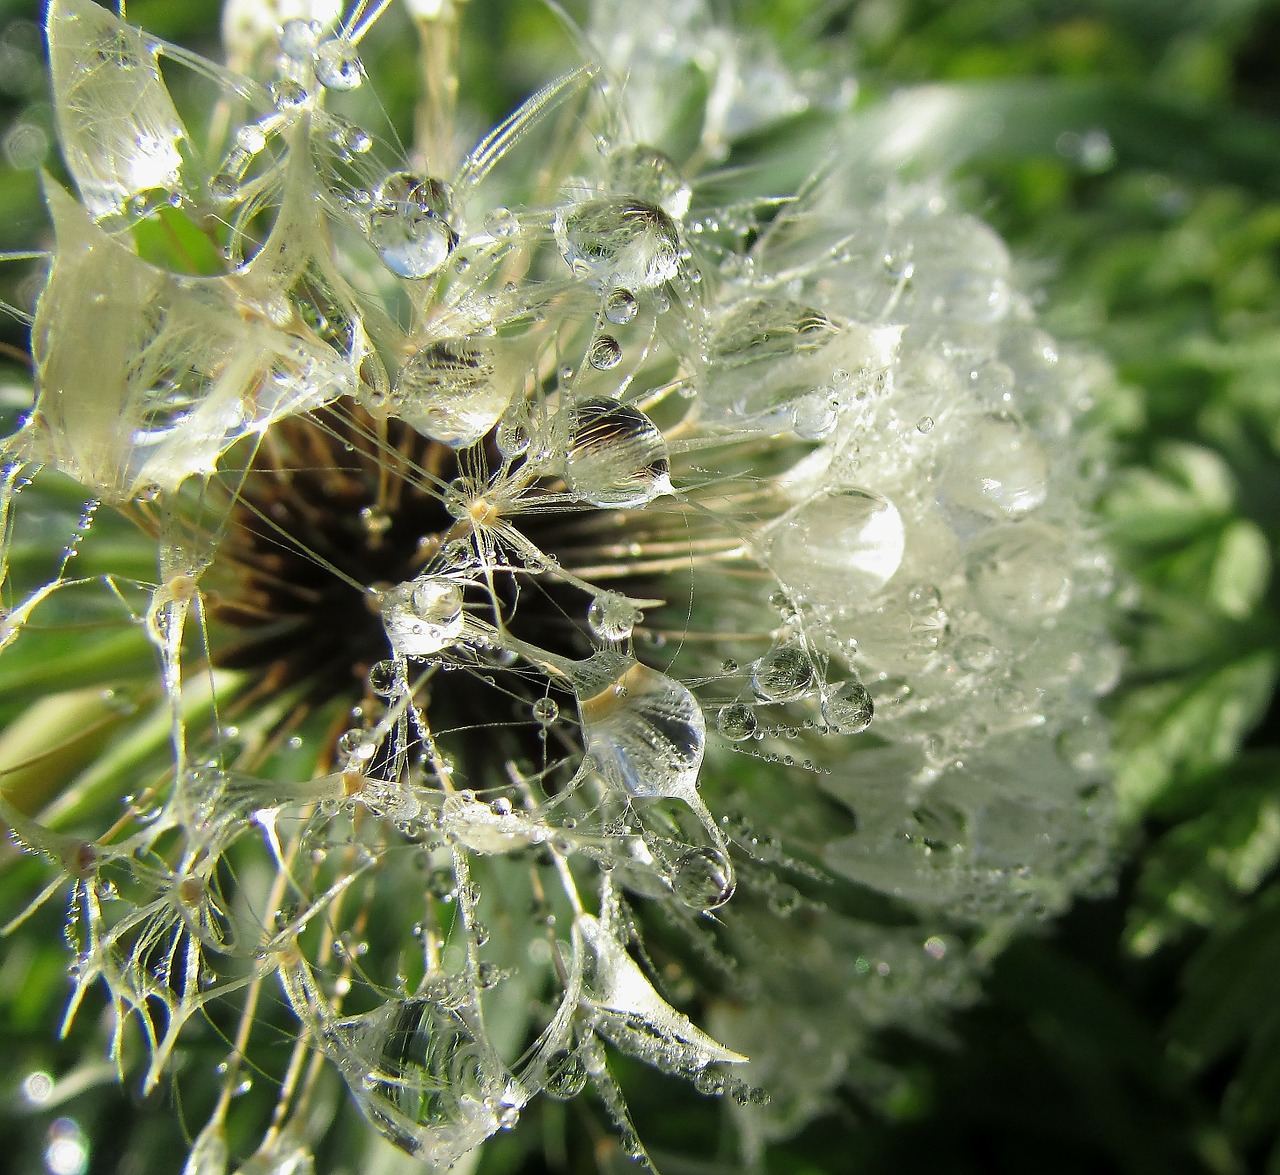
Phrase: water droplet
(288,95)
(814,416)
(1018,574)
(1085,747)
(841,543)
(975,653)
(338,65)
(620,306)
(646,733)
(512,437)
(357,745)
(423,616)
(924,424)
(426,1078)
(545,711)
(447,391)
(709,1082)
(612,617)
(250,138)
(737,721)
(782,674)
(298,39)
(638,170)
(620,241)
(409,224)
(605,353)
(702,879)
(1000,472)
(566,1076)
(616,456)
(502,222)
(384,679)
(224,186)
(848,709)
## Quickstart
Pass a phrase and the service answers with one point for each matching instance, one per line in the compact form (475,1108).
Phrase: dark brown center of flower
(335,507)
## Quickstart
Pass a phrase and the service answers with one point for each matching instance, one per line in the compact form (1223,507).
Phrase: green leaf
(1187,489)
(1187,727)
(1199,872)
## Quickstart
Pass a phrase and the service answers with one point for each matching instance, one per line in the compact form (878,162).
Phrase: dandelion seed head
(543,562)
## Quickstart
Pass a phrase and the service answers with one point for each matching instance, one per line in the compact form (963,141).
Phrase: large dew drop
(409,225)
(1001,472)
(646,734)
(616,456)
(841,544)
(176,373)
(1018,574)
(430,1083)
(448,391)
(620,242)
(763,354)
(422,616)
(634,1016)
(118,126)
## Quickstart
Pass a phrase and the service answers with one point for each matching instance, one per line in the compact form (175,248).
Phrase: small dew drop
(338,65)
(975,653)
(605,353)
(703,879)
(423,616)
(848,708)
(298,39)
(737,721)
(815,416)
(782,674)
(566,1077)
(612,617)
(383,678)
(620,306)
(512,437)
(250,138)
(545,711)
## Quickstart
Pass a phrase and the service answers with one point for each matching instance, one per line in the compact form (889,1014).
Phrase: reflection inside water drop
(616,455)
